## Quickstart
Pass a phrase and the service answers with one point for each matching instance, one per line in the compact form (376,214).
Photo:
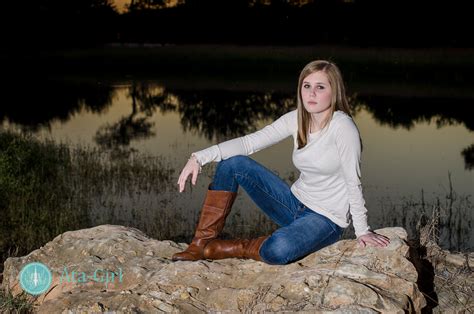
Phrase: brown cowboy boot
(240,248)
(215,210)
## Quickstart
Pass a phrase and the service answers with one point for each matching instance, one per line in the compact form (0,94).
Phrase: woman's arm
(349,147)
(245,145)
(251,143)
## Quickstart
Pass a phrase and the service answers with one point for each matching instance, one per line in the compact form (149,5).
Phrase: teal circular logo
(35,278)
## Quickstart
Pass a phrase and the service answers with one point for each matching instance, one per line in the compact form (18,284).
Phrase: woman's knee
(232,162)
(225,176)
(277,250)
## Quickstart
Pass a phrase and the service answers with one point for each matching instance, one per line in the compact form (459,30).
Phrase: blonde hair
(338,100)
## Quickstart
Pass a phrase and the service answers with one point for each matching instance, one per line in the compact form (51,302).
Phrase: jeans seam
(329,234)
(331,224)
(260,188)
(234,183)
(327,220)
(335,227)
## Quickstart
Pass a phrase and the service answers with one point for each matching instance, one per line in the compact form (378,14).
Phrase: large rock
(340,277)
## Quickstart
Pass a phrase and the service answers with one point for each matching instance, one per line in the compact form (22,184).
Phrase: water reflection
(407,111)
(216,115)
(54,100)
(219,115)
(468,155)
(400,112)
(144,100)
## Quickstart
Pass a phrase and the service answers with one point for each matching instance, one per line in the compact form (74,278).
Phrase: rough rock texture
(453,279)
(447,277)
(454,282)
(340,277)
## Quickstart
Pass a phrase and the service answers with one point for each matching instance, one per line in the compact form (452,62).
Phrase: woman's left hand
(373,239)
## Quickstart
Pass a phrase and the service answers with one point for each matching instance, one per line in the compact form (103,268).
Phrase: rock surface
(341,277)
(453,279)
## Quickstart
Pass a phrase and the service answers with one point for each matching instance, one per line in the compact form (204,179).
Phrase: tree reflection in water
(215,115)
(117,136)
(468,155)
(219,115)
(55,100)
(407,112)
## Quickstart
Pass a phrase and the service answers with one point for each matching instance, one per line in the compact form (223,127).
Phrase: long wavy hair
(338,100)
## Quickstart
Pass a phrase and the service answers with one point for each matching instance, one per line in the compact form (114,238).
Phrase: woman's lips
(312,103)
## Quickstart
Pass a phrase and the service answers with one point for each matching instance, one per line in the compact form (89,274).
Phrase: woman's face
(316,92)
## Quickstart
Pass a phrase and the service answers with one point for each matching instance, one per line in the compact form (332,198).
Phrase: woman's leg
(216,207)
(308,233)
(265,188)
(302,230)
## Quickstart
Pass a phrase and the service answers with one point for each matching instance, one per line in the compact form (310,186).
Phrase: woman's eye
(320,87)
(306,86)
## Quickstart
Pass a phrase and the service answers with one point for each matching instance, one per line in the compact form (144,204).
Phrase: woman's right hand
(191,167)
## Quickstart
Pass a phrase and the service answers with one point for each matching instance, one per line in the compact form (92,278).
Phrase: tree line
(307,22)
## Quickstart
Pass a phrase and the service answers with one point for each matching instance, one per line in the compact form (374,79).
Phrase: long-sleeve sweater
(329,165)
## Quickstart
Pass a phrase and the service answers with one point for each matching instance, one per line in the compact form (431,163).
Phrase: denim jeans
(302,231)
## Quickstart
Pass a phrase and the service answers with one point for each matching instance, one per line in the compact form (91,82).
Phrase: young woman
(313,212)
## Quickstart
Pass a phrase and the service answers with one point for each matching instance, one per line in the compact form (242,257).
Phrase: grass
(48,188)
(33,193)
(454,217)
(15,304)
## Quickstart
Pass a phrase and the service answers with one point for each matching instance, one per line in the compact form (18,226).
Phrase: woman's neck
(317,120)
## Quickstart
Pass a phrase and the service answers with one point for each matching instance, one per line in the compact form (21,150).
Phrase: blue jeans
(302,231)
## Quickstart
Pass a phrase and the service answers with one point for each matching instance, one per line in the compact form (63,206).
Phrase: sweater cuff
(207,155)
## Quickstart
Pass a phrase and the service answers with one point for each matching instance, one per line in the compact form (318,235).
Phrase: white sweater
(329,165)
